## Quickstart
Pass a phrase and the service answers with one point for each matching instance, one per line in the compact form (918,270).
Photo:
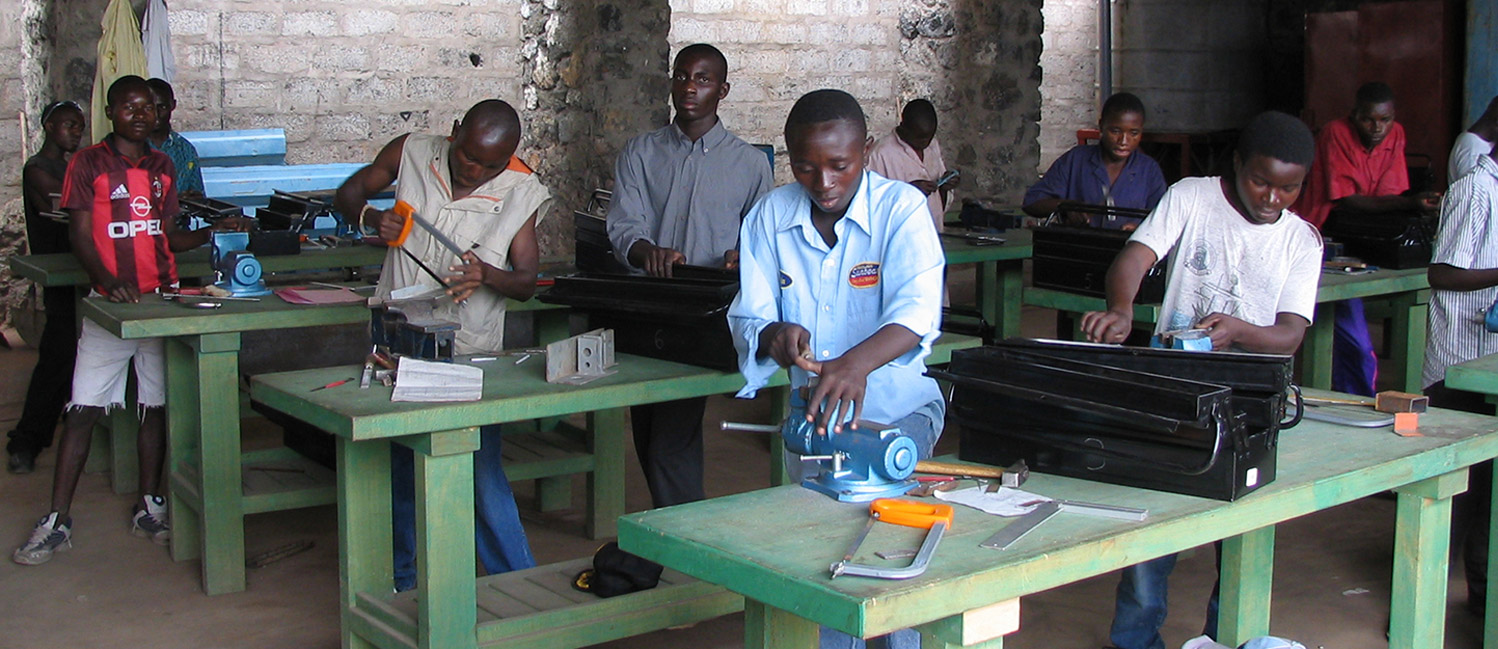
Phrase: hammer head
(1015,475)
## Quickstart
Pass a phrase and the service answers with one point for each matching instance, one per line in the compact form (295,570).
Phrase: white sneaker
(150,520)
(50,535)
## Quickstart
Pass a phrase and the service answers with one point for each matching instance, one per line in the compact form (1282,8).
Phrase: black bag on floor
(616,572)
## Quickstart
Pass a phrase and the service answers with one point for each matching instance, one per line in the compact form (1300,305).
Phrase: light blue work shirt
(885,269)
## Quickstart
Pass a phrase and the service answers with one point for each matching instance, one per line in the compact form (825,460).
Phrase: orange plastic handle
(405,211)
(911,513)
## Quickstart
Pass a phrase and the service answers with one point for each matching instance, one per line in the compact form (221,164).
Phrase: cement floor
(114,590)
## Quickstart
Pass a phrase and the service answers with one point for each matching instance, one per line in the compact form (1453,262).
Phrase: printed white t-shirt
(1222,263)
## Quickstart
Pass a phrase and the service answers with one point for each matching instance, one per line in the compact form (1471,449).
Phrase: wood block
(1407,424)
(1397,402)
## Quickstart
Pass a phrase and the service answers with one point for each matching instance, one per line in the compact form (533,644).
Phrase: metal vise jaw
(856,465)
(413,327)
(239,271)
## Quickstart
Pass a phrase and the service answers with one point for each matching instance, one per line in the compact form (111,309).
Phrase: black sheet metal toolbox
(683,318)
(1076,259)
(1393,240)
(1198,423)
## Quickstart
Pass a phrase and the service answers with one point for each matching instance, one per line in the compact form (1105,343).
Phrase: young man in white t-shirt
(1242,267)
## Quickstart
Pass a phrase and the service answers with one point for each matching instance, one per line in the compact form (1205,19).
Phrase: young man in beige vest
(470,186)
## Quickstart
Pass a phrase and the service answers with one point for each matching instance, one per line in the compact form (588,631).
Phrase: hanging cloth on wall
(156,38)
(120,54)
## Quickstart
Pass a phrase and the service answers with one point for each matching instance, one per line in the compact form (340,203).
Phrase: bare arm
(843,379)
(374,178)
(79,225)
(1042,208)
(519,283)
(1128,269)
(1282,337)
(40,185)
(1422,202)
(1446,277)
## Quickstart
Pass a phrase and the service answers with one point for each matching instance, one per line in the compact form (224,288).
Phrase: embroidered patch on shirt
(864,275)
(785,280)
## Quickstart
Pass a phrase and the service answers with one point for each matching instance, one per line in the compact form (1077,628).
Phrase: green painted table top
(1333,288)
(62,269)
(1478,375)
(511,393)
(153,317)
(747,543)
(1017,245)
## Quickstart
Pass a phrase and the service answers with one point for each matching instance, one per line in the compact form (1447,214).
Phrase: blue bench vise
(239,271)
(857,465)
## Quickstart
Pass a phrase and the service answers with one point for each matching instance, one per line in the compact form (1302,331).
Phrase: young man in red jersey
(121,200)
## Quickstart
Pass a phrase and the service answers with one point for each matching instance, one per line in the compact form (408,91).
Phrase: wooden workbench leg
(219,460)
(363,528)
(606,433)
(1316,350)
(1010,288)
(124,429)
(767,627)
(1422,538)
(447,610)
(182,432)
(780,408)
(979,628)
(1407,335)
(1490,621)
(1246,578)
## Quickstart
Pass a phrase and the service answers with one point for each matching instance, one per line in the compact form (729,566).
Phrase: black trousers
(52,379)
(668,439)
(1470,510)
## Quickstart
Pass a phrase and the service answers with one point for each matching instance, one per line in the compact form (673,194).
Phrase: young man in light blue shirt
(841,276)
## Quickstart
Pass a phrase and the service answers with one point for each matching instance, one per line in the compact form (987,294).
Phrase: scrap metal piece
(1105,511)
(1021,526)
(581,358)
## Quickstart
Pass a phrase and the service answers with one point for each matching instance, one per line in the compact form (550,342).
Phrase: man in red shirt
(1359,169)
(121,202)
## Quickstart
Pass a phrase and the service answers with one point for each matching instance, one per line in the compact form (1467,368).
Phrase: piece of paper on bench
(1004,502)
(427,381)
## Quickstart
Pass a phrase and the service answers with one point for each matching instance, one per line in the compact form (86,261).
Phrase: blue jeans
(924,430)
(1141,605)
(1354,364)
(498,536)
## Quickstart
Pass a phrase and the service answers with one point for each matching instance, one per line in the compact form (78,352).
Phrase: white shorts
(103,358)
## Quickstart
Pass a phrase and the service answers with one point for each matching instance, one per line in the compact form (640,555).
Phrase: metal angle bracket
(581,358)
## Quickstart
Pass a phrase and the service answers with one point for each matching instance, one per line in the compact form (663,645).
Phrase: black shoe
(21,462)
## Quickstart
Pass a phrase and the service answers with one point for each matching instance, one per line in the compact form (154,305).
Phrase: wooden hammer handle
(953,468)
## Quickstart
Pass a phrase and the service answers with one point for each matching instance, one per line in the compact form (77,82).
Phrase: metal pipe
(1104,50)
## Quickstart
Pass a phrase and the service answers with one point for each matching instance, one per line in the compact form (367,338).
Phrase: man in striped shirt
(1464,281)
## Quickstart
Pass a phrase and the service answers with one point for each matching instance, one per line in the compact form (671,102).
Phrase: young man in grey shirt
(680,193)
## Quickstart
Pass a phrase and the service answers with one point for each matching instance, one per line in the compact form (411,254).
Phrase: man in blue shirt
(1112,172)
(841,276)
(183,154)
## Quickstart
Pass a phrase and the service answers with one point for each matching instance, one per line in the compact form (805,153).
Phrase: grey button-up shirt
(684,195)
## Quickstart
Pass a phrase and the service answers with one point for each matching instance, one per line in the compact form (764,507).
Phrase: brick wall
(341,78)
(24,43)
(1068,87)
(976,60)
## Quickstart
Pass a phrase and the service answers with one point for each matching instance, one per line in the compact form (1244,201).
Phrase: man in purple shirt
(1112,172)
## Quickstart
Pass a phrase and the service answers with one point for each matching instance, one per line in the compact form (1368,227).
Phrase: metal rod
(748,428)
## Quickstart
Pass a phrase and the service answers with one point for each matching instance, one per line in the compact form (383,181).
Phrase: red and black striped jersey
(130,201)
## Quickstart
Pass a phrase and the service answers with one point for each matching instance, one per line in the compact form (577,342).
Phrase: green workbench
(63,269)
(968,595)
(1481,376)
(1407,292)
(1000,277)
(446,610)
(212,485)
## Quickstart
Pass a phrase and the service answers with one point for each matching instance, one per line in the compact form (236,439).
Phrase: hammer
(1013,476)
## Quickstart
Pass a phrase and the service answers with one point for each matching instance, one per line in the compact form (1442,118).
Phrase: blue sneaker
(51,535)
(150,520)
